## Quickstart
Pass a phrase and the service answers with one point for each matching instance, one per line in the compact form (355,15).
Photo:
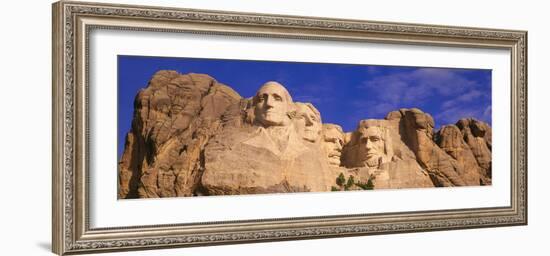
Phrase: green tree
(365,186)
(370,185)
(341,180)
(350,182)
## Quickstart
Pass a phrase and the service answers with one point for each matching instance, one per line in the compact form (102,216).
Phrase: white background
(25,59)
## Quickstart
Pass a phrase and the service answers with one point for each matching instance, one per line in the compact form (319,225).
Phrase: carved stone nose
(269,101)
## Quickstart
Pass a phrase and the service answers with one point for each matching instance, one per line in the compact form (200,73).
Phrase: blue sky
(343,93)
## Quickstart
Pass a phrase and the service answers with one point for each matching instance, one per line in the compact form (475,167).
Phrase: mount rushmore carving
(193,136)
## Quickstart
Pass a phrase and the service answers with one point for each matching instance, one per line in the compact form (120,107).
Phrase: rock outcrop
(478,137)
(193,136)
(416,130)
(174,117)
(449,139)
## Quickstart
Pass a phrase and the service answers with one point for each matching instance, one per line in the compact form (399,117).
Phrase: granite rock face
(174,117)
(416,131)
(478,137)
(193,136)
(275,149)
(449,138)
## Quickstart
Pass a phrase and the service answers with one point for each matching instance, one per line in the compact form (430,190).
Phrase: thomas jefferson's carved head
(333,142)
(272,104)
(308,120)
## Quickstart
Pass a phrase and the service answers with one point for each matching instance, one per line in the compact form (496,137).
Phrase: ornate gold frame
(72,21)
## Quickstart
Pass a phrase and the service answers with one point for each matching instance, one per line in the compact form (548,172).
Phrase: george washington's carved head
(272,104)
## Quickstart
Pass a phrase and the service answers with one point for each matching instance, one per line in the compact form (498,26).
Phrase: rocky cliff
(193,136)
(174,117)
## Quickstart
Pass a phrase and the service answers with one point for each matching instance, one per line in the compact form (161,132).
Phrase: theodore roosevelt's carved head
(272,104)
(333,142)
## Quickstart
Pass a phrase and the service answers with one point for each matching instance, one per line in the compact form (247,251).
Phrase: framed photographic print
(179,127)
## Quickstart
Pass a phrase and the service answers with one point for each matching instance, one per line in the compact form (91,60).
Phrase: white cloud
(419,84)
(450,90)
(468,97)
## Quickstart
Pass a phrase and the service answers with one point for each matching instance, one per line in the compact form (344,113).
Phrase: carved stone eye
(262,98)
